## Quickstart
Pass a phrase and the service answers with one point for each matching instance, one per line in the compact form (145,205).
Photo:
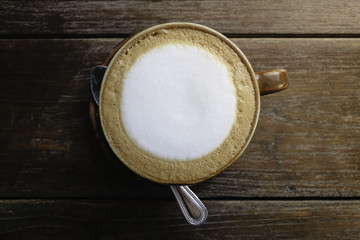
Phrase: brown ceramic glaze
(272,81)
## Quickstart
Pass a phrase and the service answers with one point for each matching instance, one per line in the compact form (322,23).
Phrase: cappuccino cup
(179,102)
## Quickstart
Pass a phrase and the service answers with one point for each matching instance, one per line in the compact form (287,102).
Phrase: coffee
(178,103)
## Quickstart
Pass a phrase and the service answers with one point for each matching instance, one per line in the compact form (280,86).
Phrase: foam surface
(178,102)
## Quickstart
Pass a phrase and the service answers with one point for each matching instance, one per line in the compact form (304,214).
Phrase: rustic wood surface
(229,16)
(299,178)
(94,219)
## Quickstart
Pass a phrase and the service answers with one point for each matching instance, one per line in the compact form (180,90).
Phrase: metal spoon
(191,206)
(96,77)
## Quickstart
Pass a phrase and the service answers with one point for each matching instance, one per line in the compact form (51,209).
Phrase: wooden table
(298,179)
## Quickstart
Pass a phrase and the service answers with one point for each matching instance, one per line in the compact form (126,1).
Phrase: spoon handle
(96,77)
(191,206)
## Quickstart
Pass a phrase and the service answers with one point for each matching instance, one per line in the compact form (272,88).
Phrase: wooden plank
(308,137)
(66,219)
(307,142)
(230,17)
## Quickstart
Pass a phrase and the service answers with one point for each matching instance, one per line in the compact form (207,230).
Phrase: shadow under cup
(187,172)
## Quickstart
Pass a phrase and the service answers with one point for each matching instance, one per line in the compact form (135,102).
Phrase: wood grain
(67,219)
(307,143)
(230,17)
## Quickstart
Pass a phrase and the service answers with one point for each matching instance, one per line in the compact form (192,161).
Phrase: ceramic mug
(197,36)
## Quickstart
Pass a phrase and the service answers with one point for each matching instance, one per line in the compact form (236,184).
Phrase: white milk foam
(178,102)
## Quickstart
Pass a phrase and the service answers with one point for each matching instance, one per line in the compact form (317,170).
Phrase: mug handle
(272,81)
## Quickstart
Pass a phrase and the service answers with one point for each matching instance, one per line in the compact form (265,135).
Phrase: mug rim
(123,44)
